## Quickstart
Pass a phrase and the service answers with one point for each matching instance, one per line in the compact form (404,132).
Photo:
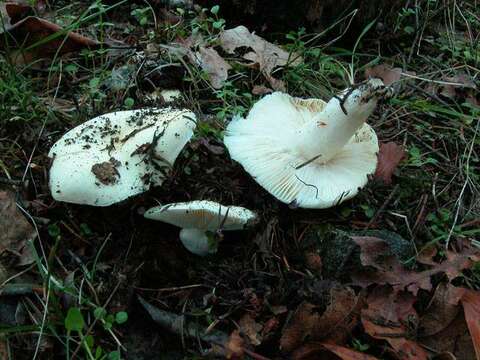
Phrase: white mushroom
(117,155)
(309,153)
(198,219)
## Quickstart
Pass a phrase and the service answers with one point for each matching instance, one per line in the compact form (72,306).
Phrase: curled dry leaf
(471,307)
(388,74)
(459,87)
(389,157)
(261,90)
(346,353)
(234,346)
(334,324)
(327,351)
(31,30)
(454,339)
(214,65)
(390,316)
(265,55)
(15,230)
(388,270)
(251,329)
(441,311)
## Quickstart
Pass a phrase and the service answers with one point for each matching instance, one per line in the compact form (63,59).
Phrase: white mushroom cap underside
(113,143)
(262,144)
(205,215)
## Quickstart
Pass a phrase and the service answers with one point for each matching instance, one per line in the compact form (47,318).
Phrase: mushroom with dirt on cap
(308,153)
(117,155)
(199,220)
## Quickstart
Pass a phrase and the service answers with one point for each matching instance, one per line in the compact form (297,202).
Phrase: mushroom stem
(196,241)
(331,129)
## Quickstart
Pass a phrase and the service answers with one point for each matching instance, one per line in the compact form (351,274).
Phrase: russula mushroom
(117,155)
(199,218)
(309,153)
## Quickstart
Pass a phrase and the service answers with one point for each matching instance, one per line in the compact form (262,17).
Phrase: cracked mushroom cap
(272,147)
(203,215)
(117,155)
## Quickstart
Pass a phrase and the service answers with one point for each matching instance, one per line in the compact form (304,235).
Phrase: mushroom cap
(117,155)
(204,215)
(261,143)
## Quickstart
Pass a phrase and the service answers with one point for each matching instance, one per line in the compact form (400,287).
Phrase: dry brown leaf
(442,310)
(251,329)
(15,230)
(459,87)
(388,74)
(261,90)
(214,65)
(388,270)
(390,316)
(471,307)
(335,323)
(299,327)
(234,347)
(313,261)
(30,30)
(264,54)
(346,353)
(339,318)
(389,157)
(326,351)
(455,339)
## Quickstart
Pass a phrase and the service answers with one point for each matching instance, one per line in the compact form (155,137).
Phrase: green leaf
(121,317)
(218,24)
(214,10)
(99,313)
(74,320)
(114,355)
(89,341)
(129,102)
(98,352)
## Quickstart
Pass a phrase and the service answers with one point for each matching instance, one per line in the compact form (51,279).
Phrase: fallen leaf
(214,65)
(251,329)
(325,351)
(346,353)
(261,90)
(28,31)
(388,74)
(389,157)
(459,87)
(299,327)
(270,326)
(471,307)
(339,318)
(454,338)
(265,55)
(15,230)
(390,316)
(313,261)
(335,323)
(388,270)
(441,311)
(234,346)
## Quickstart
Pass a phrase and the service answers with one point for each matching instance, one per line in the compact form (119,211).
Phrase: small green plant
(417,159)
(233,101)
(75,324)
(142,15)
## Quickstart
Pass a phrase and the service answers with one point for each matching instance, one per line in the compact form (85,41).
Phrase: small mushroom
(117,155)
(199,219)
(308,153)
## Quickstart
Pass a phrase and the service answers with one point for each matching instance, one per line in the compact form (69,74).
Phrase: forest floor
(393,273)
